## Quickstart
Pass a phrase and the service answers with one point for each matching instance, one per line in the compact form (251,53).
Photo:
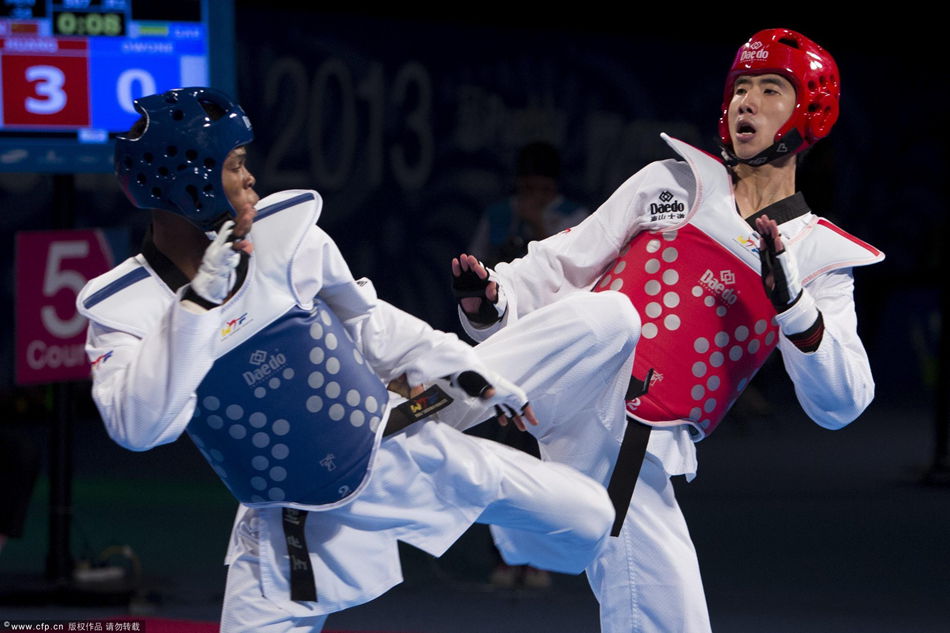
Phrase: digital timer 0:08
(72,23)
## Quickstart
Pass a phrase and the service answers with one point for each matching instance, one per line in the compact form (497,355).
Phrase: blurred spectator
(536,210)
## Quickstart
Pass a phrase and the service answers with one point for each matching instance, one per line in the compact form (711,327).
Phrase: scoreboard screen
(71,69)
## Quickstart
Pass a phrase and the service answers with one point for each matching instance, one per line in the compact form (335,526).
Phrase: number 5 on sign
(51,268)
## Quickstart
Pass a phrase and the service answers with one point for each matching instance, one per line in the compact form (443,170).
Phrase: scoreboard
(71,69)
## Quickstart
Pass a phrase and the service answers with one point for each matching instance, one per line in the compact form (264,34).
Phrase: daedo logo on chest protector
(719,286)
(266,365)
(667,208)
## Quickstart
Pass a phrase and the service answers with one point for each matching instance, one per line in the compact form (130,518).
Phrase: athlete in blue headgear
(241,324)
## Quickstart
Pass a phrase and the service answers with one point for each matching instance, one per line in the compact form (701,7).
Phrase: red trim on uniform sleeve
(825,223)
(810,339)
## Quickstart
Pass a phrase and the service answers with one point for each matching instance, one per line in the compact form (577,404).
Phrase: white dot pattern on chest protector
(314,404)
(315,380)
(257,419)
(616,284)
(317,392)
(619,267)
(717,308)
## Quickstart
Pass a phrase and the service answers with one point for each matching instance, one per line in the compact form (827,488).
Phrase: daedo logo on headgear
(754,53)
(718,285)
(266,366)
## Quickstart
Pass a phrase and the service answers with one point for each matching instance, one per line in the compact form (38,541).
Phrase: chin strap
(787,146)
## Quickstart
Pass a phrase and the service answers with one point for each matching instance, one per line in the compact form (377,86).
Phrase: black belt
(632,450)
(414,409)
(303,587)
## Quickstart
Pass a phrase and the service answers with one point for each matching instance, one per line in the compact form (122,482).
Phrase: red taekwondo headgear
(811,70)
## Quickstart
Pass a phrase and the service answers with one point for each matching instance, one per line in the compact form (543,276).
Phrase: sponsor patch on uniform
(749,244)
(231,326)
(719,285)
(265,365)
(667,207)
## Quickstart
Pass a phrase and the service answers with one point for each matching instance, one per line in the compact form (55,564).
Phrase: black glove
(786,289)
(468,284)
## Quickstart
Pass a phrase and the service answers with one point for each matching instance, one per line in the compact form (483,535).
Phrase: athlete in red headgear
(723,261)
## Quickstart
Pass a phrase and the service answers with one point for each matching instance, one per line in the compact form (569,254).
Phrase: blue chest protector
(289,417)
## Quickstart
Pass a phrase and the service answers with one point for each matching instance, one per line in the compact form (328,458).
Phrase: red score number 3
(46,90)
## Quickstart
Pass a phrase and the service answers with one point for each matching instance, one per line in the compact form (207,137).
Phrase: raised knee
(616,317)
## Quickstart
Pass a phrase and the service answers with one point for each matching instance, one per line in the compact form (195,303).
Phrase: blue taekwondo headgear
(176,163)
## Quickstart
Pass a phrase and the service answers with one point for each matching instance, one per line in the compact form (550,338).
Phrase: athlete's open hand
(475,293)
(779,272)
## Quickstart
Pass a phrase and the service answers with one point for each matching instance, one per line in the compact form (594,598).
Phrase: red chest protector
(707,325)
